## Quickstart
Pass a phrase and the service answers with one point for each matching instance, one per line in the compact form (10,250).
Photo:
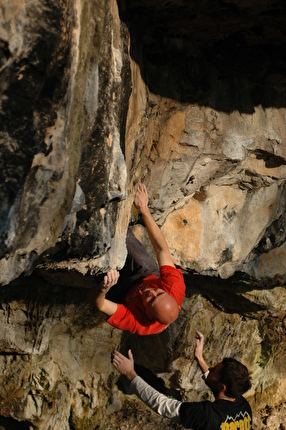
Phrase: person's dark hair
(235,376)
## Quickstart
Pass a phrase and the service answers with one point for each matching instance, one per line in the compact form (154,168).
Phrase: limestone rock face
(55,362)
(215,169)
(213,125)
(188,97)
(220,204)
(61,103)
(56,371)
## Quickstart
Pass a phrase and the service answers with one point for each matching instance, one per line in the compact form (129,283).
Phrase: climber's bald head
(160,306)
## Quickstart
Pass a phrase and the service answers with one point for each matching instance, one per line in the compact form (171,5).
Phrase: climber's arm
(99,292)
(155,234)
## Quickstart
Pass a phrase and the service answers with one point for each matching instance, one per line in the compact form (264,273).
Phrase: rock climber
(148,295)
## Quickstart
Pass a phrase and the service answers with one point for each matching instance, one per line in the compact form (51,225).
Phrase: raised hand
(199,345)
(198,352)
(124,365)
(109,280)
(141,198)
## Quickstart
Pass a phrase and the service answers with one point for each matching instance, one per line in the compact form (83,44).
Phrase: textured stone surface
(213,157)
(215,206)
(56,371)
(215,168)
(188,97)
(61,101)
(55,368)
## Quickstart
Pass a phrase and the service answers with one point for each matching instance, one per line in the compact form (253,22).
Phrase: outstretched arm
(124,365)
(99,292)
(158,402)
(156,236)
(198,353)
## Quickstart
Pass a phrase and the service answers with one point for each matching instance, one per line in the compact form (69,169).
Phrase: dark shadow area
(152,354)
(34,286)
(148,376)
(11,424)
(50,298)
(228,55)
(55,289)
(225,294)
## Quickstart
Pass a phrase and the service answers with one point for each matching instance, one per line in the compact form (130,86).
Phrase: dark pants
(138,265)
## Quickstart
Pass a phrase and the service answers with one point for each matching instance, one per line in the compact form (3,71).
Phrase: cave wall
(97,120)
(55,355)
(95,97)
(63,100)
(212,120)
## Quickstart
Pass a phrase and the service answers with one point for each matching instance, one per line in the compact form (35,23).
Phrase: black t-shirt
(219,415)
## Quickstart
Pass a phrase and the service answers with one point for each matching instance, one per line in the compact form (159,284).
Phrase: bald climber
(146,296)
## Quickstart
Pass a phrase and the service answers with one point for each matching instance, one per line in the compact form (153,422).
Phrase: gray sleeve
(168,408)
(205,375)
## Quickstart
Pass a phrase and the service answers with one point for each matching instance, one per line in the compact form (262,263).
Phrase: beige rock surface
(56,370)
(94,98)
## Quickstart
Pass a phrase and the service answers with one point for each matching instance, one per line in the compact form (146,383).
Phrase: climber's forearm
(157,239)
(105,305)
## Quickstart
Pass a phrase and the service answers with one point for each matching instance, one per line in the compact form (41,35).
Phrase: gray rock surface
(188,97)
